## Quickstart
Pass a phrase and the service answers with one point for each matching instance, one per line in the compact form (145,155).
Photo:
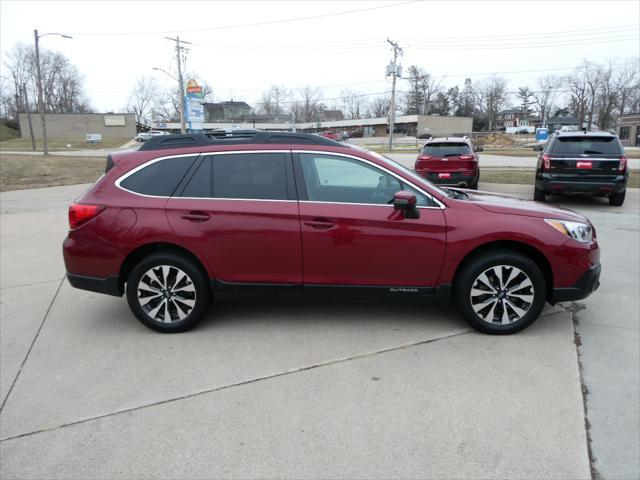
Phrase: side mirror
(406,201)
(479,149)
(538,148)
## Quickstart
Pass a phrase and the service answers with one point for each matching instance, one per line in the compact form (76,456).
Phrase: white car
(144,136)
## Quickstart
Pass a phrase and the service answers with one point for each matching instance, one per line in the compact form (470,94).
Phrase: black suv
(582,163)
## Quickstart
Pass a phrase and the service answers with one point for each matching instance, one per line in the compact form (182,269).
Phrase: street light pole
(392,110)
(40,94)
(40,99)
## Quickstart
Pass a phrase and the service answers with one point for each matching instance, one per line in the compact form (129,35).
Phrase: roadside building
(75,126)
(226,111)
(409,125)
(512,119)
(628,129)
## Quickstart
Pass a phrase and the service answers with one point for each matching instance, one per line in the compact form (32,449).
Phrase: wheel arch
(500,245)
(145,250)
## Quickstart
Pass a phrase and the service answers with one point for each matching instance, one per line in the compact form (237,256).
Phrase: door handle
(196,216)
(320,223)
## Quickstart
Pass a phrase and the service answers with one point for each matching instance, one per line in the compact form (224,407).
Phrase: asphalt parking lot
(310,388)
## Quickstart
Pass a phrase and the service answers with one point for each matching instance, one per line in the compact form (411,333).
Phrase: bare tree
(379,107)
(546,96)
(354,104)
(144,97)
(61,81)
(311,108)
(423,89)
(627,85)
(491,97)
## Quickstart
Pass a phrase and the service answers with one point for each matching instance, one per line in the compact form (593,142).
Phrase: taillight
(80,213)
(424,157)
(466,157)
(547,161)
(622,166)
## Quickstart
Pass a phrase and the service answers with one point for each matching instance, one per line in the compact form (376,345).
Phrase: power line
(246,25)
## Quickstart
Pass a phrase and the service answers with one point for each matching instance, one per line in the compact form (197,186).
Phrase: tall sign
(194,108)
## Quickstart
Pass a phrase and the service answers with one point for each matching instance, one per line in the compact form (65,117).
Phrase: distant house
(331,115)
(513,117)
(226,111)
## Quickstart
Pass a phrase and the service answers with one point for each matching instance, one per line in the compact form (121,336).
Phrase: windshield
(410,173)
(585,145)
(446,149)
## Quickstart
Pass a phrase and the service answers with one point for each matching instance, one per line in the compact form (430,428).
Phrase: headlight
(582,232)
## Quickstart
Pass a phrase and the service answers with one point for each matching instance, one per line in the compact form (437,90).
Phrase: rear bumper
(577,184)
(585,286)
(108,286)
(458,179)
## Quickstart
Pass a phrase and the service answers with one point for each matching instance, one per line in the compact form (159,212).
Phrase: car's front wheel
(501,292)
(167,292)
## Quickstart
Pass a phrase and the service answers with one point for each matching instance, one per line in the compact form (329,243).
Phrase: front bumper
(585,286)
(562,183)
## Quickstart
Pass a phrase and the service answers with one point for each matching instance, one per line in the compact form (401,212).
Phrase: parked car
(582,163)
(144,136)
(355,134)
(449,161)
(187,218)
(331,135)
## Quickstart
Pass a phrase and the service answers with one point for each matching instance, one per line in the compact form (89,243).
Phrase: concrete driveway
(303,388)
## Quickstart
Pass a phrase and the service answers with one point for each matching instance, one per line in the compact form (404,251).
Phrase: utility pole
(26,104)
(393,71)
(40,100)
(40,95)
(179,48)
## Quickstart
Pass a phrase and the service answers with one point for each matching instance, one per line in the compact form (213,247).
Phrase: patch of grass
(527,176)
(7,133)
(58,144)
(18,172)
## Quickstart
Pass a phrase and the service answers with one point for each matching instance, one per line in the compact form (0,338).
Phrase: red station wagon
(189,217)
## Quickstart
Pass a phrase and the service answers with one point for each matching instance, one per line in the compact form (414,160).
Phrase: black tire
(539,195)
(520,313)
(474,185)
(617,199)
(185,307)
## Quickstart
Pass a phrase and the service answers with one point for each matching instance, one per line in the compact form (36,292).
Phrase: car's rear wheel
(617,199)
(501,292)
(539,195)
(167,292)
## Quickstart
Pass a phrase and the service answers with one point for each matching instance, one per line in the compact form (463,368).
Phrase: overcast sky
(115,42)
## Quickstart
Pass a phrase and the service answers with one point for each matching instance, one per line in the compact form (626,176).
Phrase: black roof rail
(234,137)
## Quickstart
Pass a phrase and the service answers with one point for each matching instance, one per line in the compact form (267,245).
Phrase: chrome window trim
(440,205)
(166,157)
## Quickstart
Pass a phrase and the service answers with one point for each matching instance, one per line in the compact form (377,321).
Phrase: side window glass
(344,180)
(250,176)
(201,183)
(159,178)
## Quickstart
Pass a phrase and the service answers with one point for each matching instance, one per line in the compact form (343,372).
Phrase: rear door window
(585,145)
(260,176)
(446,149)
(159,178)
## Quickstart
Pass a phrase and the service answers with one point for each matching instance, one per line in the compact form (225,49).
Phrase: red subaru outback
(449,161)
(189,217)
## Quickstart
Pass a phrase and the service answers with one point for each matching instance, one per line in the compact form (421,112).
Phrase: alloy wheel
(502,294)
(166,294)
